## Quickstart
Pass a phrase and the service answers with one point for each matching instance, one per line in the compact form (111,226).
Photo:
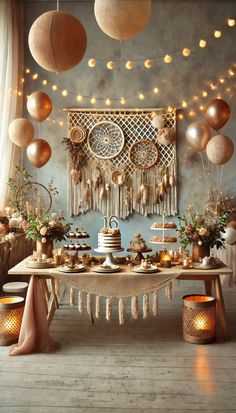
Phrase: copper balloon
(57,41)
(39,152)
(220,149)
(232,224)
(39,106)
(198,135)
(217,113)
(21,132)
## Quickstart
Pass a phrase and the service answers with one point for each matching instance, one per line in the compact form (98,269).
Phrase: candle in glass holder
(165,261)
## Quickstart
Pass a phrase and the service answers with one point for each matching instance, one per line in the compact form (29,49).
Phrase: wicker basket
(199,319)
(11,313)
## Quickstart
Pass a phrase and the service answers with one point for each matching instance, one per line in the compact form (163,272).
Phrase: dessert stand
(110,260)
(139,257)
(88,248)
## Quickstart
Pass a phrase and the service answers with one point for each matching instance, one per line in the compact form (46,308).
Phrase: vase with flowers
(45,229)
(202,231)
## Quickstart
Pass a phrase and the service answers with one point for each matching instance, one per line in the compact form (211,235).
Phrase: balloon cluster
(21,131)
(230,233)
(219,148)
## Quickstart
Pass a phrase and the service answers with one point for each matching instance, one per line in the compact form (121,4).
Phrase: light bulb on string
(108,102)
(204,93)
(111,65)
(167,59)
(27,70)
(148,63)
(54,87)
(231,72)
(231,22)
(184,104)
(141,96)
(93,100)
(44,82)
(92,62)
(64,92)
(217,34)
(129,65)
(155,90)
(202,43)
(79,98)
(186,52)
(35,76)
(122,101)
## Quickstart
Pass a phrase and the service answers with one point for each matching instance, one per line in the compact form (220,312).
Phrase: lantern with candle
(165,259)
(11,313)
(199,319)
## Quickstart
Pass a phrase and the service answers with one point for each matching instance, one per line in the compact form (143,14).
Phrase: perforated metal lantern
(199,319)
(11,313)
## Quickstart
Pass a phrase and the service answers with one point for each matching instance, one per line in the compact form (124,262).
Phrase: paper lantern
(57,41)
(220,149)
(21,132)
(39,152)
(39,106)
(122,19)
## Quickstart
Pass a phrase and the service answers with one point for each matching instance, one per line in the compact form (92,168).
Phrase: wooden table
(211,279)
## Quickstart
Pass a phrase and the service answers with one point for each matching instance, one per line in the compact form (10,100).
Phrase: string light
(79,98)
(129,65)
(22,80)
(93,100)
(202,43)
(195,98)
(231,22)
(64,92)
(155,90)
(122,101)
(141,96)
(170,109)
(44,82)
(61,123)
(222,80)
(186,52)
(180,116)
(204,93)
(27,70)
(108,102)
(192,113)
(213,87)
(111,65)
(92,62)
(35,76)
(54,87)
(201,108)
(219,96)
(167,58)
(148,63)
(231,72)
(217,34)
(184,104)
(19,93)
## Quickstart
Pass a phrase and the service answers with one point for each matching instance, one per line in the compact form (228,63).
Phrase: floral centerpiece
(202,230)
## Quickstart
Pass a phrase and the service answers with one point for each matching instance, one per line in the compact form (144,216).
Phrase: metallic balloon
(39,106)
(198,135)
(21,132)
(220,149)
(39,152)
(217,113)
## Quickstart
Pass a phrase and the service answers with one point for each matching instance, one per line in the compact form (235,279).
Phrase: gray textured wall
(173,26)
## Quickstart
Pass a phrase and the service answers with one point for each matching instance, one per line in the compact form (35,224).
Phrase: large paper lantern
(57,41)
(39,106)
(198,135)
(21,132)
(220,149)
(217,113)
(122,19)
(39,152)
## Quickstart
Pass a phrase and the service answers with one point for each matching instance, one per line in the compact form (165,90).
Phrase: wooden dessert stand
(139,257)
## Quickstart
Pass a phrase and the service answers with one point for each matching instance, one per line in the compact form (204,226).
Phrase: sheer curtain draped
(10,85)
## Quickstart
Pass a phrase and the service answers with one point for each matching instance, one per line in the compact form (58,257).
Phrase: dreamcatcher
(77,134)
(33,197)
(106,140)
(143,154)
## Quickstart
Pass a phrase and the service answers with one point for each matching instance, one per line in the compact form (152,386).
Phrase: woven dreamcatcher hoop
(106,140)
(77,134)
(36,195)
(143,154)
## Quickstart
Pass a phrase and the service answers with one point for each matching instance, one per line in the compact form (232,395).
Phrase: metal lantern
(11,313)
(199,319)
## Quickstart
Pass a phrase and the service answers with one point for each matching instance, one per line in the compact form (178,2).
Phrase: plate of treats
(48,263)
(157,226)
(105,268)
(208,263)
(71,268)
(163,240)
(145,269)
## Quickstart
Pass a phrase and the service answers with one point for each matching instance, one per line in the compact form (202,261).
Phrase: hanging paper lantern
(21,132)
(39,106)
(39,152)
(220,149)
(57,41)
(122,19)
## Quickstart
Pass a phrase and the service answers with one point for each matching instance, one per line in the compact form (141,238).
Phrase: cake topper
(111,222)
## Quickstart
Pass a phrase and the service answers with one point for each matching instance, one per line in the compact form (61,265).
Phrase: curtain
(11,82)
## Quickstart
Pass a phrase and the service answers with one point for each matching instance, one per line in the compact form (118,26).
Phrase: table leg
(54,295)
(51,311)
(208,287)
(221,307)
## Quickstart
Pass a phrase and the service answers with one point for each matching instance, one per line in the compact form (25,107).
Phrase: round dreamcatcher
(33,197)
(77,134)
(106,140)
(143,154)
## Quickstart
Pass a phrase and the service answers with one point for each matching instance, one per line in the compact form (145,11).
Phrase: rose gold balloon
(217,113)
(21,132)
(57,41)
(198,135)
(220,149)
(231,224)
(39,152)
(39,106)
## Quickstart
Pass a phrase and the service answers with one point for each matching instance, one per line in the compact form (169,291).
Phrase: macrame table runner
(118,285)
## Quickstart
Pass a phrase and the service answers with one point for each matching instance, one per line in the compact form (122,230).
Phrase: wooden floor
(142,366)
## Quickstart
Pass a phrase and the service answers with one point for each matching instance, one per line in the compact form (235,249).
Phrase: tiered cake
(109,239)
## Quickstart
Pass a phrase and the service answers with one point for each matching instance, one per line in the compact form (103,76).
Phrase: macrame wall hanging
(122,161)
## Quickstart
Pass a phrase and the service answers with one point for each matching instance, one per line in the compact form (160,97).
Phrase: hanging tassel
(80,302)
(72,301)
(89,304)
(155,303)
(121,311)
(145,305)
(97,310)
(109,309)
(134,307)
(169,290)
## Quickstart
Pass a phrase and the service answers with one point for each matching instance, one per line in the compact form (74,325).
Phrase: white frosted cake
(109,239)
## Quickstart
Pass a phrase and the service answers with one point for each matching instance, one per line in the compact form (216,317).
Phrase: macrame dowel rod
(89,304)
(155,303)
(145,305)
(169,290)
(80,301)
(134,307)
(108,309)
(97,310)
(72,301)
(121,311)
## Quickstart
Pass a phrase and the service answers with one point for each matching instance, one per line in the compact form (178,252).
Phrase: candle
(200,323)
(186,262)
(166,261)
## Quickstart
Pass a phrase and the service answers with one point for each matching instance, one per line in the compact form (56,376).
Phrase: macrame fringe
(72,300)
(155,303)
(145,305)
(134,307)
(80,301)
(89,304)
(121,311)
(168,290)
(97,309)
(109,309)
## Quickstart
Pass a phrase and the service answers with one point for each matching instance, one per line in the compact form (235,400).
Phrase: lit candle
(200,323)
(166,261)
